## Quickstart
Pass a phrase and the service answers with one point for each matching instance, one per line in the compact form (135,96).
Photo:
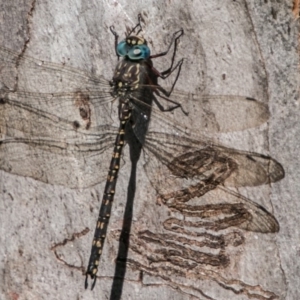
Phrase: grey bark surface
(243,48)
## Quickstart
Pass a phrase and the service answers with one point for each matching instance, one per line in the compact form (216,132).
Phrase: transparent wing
(61,136)
(185,157)
(212,113)
(182,170)
(36,75)
(70,163)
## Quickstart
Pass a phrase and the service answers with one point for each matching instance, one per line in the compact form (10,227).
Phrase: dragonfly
(55,118)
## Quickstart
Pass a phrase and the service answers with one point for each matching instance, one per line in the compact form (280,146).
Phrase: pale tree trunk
(247,48)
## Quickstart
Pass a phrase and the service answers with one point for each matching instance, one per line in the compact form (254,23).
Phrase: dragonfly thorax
(126,78)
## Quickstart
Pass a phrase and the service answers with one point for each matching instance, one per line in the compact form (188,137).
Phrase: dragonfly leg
(165,74)
(163,109)
(166,93)
(175,40)
(112,29)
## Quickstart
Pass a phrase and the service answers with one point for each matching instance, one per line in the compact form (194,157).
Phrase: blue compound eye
(135,52)
(122,48)
(139,52)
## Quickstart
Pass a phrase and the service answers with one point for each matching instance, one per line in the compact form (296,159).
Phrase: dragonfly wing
(190,158)
(54,88)
(20,72)
(60,136)
(182,169)
(72,163)
(210,113)
(222,113)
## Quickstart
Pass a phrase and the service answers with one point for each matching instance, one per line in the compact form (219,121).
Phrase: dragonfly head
(133,47)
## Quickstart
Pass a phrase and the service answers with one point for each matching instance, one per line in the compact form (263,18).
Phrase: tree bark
(240,47)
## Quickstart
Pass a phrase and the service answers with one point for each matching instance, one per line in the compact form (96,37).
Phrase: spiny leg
(175,40)
(166,93)
(165,74)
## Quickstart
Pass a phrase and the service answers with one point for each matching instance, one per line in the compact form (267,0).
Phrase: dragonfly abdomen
(108,197)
